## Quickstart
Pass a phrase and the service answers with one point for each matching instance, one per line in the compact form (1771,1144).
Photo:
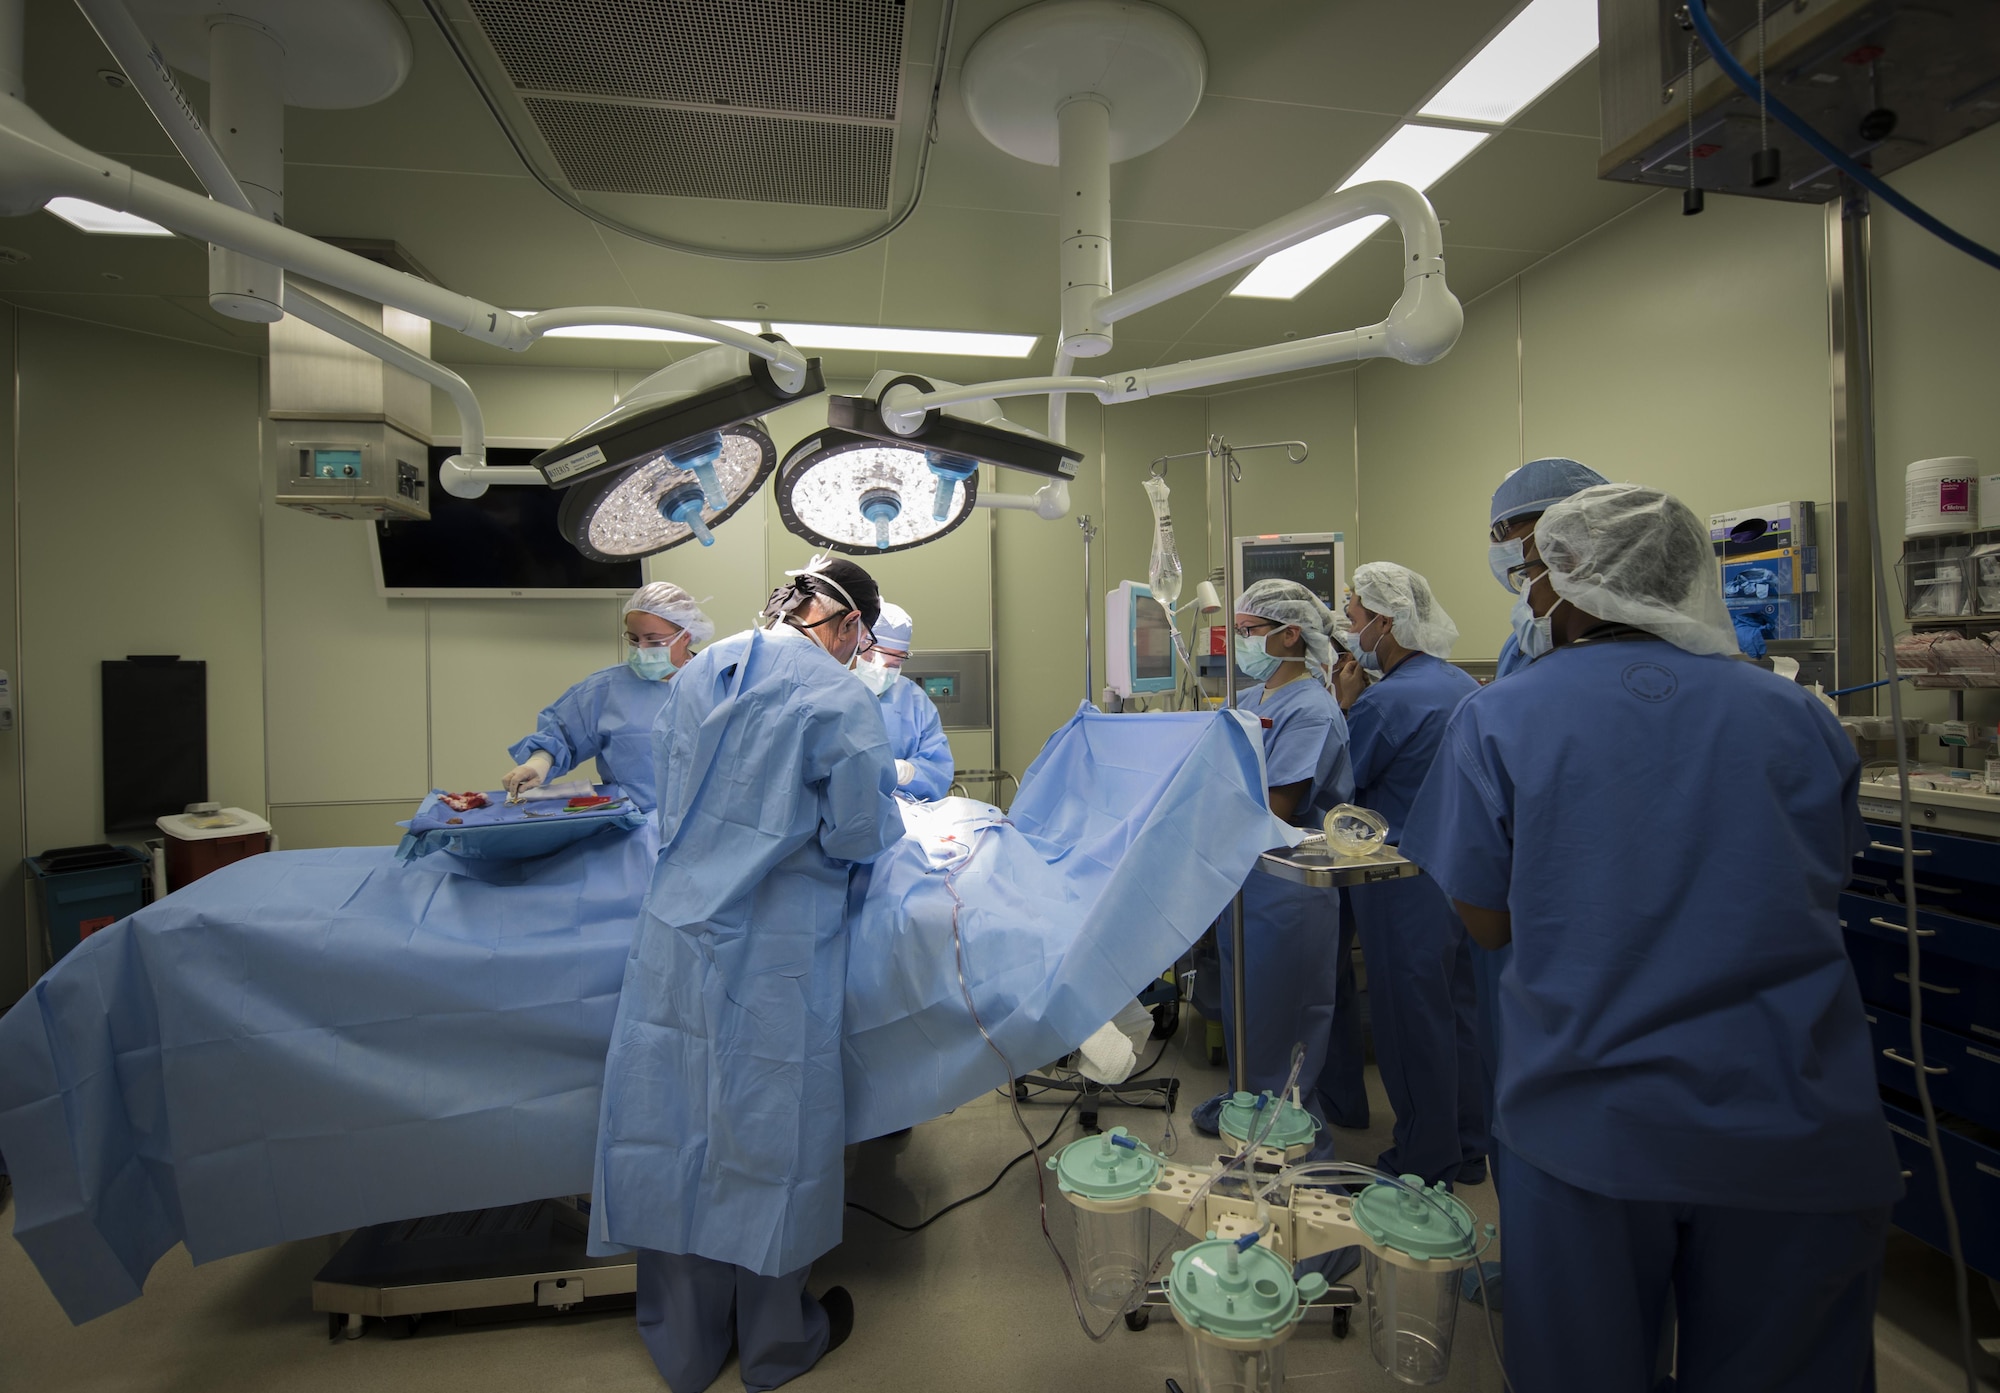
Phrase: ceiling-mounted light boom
(963,429)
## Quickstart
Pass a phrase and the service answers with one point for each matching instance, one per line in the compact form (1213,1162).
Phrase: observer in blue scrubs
(1687,1097)
(1422,1006)
(916,733)
(1284,643)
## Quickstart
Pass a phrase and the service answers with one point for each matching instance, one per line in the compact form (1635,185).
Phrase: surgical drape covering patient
(313,1041)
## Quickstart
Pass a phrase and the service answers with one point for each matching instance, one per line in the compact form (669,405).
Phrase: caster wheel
(336,1325)
(1020,1091)
(1343,1322)
(1217,1056)
(400,1327)
(1139,1319)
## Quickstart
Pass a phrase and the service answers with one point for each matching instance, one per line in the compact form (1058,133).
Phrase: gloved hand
(523,777)
(905,771)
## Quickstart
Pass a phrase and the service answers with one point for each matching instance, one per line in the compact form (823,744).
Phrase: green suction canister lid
(1237,1295)
(1432,1224)
(1099,1168)
(1244,1121)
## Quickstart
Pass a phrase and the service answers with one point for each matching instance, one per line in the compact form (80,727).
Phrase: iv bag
(1164,573)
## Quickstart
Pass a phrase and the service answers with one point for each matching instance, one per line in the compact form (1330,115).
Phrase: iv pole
(1232,471)
(1089,536)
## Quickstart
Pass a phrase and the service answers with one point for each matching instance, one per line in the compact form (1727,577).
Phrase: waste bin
(80,889)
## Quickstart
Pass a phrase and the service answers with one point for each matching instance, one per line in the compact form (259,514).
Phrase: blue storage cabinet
(1958,912)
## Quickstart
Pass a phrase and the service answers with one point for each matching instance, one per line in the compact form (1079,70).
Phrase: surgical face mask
(653,664)
(876,677)
(1364,656)
(1251,656)
(1535,633)
(1503,557)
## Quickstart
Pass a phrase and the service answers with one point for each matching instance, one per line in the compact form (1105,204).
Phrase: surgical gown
(1422,1004)
(1291,932)
(607,717)
(917,735)
(1686,1093)
(723,1115)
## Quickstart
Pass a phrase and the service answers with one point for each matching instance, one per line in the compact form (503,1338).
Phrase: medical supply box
(200,842)
(81,889)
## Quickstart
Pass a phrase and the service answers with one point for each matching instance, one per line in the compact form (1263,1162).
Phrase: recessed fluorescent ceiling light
(862,337)
(93,218)
(1535,51)
(1415,155)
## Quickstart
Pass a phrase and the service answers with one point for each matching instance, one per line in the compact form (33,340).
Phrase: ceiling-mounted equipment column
(246,119)
(1084,221)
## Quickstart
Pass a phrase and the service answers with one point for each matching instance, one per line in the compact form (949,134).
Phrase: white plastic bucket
(1940,496)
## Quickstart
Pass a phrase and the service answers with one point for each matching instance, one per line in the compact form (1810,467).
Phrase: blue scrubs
(917,735)
(607,717)
(1290,931)
(723,1118)
(1512,659)
(1687,1094)
(1421,999)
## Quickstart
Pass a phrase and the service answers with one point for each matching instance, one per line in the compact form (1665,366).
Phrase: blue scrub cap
(1538,484)
(894,628)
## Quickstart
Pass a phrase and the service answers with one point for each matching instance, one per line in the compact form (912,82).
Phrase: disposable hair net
(1288,602)
(665,600)
(1637,556)
(1416,619)
(894,628)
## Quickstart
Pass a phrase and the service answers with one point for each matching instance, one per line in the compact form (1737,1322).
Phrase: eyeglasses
(1518,578)
(633,640)
(1256,628)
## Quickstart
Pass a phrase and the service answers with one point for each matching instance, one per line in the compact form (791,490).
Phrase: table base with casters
(508,1262)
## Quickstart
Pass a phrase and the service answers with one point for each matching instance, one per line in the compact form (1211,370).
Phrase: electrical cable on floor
(947,20)
(989,1189)
(976,1194)
(1697,13)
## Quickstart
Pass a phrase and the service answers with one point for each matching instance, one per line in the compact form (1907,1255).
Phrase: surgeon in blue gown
(1291,932)
(916,733)
(719,1150)
(609,715)
(1687,1096)
(1422,1005)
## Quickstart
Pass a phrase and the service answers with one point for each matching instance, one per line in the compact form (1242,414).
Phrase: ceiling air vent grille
(779,101)
(605,147)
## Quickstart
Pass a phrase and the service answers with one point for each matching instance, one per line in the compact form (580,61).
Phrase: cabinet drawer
(1974,1169)
(1959,996)
(1966,1075)
(1945,935)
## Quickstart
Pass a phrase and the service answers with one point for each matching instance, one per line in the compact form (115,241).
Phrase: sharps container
(1425,1241)
(206,838)
(1106,1179)
(1248,1117)
(1238,1304)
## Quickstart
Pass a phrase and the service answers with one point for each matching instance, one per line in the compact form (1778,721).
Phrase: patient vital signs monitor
(1138,641)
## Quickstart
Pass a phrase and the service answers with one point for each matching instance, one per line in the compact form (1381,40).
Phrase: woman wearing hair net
(1687,1095)
(1283,642)
(1422,1005)
(609,715)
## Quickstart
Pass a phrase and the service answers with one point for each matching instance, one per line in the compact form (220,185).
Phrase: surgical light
(1539,47)
(1415,155)
(92,217)
(661,501)
(864,338)
(953,437)
(853,493)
